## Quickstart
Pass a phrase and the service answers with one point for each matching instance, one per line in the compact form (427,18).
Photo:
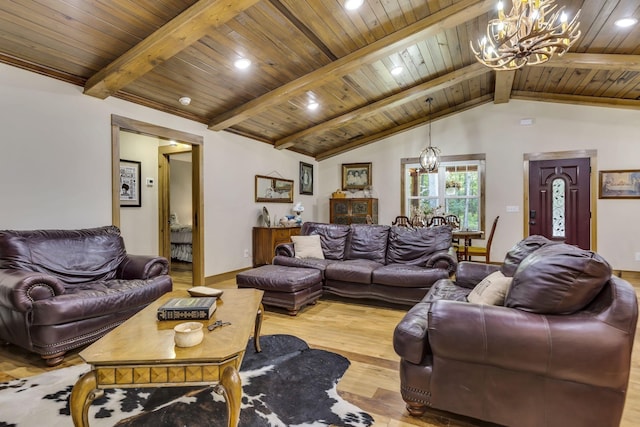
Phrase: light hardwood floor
(360,331)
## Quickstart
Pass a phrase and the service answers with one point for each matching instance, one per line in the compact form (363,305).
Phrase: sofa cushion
(333,237)
(318,264)
(557,279)
(95,299)
(407,276)
(446,289)
(355,271)
(307,246)
(415,246)
(520,251)
(72,256)
(368,242)
(491,290)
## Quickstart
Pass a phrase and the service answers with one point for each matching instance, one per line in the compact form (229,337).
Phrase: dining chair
(417,221)
(437,220)
(453,221)
(401,221)
(479,251)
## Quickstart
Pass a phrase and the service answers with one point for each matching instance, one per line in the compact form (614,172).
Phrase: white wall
(496,131)
(55,165)
(139,225)
(180,190)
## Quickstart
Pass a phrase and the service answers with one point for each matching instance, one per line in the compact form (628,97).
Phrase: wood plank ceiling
(153,52)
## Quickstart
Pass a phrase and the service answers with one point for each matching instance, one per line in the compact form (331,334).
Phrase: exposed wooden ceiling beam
(504,84)
(409,95)
(577,99)
(595,61)
(177,34)
(404,127)
(436,23)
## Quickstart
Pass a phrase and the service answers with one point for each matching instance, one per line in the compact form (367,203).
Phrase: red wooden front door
(559,200)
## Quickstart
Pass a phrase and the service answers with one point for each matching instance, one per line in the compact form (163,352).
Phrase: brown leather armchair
(62,289)
(558,352)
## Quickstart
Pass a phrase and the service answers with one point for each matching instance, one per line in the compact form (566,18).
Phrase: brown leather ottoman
(286,287)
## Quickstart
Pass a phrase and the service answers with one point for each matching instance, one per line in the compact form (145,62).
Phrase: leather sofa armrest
(446,260)
(142,267)
(410,338)
(567,347)
(20,288)
(285,249)
(469,274)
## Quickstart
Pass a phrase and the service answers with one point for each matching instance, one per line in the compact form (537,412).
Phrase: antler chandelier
(531,34)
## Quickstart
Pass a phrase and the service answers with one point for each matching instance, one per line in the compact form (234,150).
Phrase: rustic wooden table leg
(230,387)
(83,394)
(256,332)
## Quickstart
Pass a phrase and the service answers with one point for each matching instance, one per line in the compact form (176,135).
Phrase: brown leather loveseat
(550,344)
(395,264)
(62,289)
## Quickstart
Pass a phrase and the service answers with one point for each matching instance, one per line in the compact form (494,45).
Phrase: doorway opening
(175,207)
(195,144)
(560,198)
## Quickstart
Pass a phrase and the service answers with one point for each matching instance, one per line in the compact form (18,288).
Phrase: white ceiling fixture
(353,4)
(626,22)
(312,105)
(242,63)
(185,100)
(397,70)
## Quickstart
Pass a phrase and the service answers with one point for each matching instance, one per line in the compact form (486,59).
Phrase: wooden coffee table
(141,353)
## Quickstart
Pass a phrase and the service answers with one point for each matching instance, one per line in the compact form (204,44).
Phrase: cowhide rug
(288,384)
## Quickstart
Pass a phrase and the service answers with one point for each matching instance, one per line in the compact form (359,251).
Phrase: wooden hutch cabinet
(353,211)
(265,240)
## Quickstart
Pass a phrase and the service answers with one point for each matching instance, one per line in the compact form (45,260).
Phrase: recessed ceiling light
(626,22)
(312,105)
(397,70)
(353,4)
(185,100)
(242,63)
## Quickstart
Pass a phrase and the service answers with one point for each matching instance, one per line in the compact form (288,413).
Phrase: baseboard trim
(217,278)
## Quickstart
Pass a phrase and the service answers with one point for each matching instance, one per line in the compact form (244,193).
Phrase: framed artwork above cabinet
(273,190)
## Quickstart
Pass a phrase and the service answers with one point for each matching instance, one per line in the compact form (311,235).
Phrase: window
(457,187)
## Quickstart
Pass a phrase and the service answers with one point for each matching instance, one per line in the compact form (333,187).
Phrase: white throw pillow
(491,290)
(307,246)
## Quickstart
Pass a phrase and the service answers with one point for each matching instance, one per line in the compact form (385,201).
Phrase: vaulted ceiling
(153,52)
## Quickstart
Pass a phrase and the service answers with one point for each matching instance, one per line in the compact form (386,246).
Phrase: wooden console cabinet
(265,240)
(353,211)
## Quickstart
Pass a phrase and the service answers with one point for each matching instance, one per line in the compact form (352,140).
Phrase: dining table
(467,236)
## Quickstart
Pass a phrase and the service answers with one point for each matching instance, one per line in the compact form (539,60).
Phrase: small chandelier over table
(531,33)
(430,156)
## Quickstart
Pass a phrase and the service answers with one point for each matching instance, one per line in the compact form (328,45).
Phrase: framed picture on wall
(274,190)
(306,178)
(620,184)
(356,176)
(130,183)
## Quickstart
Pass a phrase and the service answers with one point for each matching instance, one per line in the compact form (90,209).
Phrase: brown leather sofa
(62,289)
(394,264)
(557,353)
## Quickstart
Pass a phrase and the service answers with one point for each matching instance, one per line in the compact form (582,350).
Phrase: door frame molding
(118,124)
(593,196)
